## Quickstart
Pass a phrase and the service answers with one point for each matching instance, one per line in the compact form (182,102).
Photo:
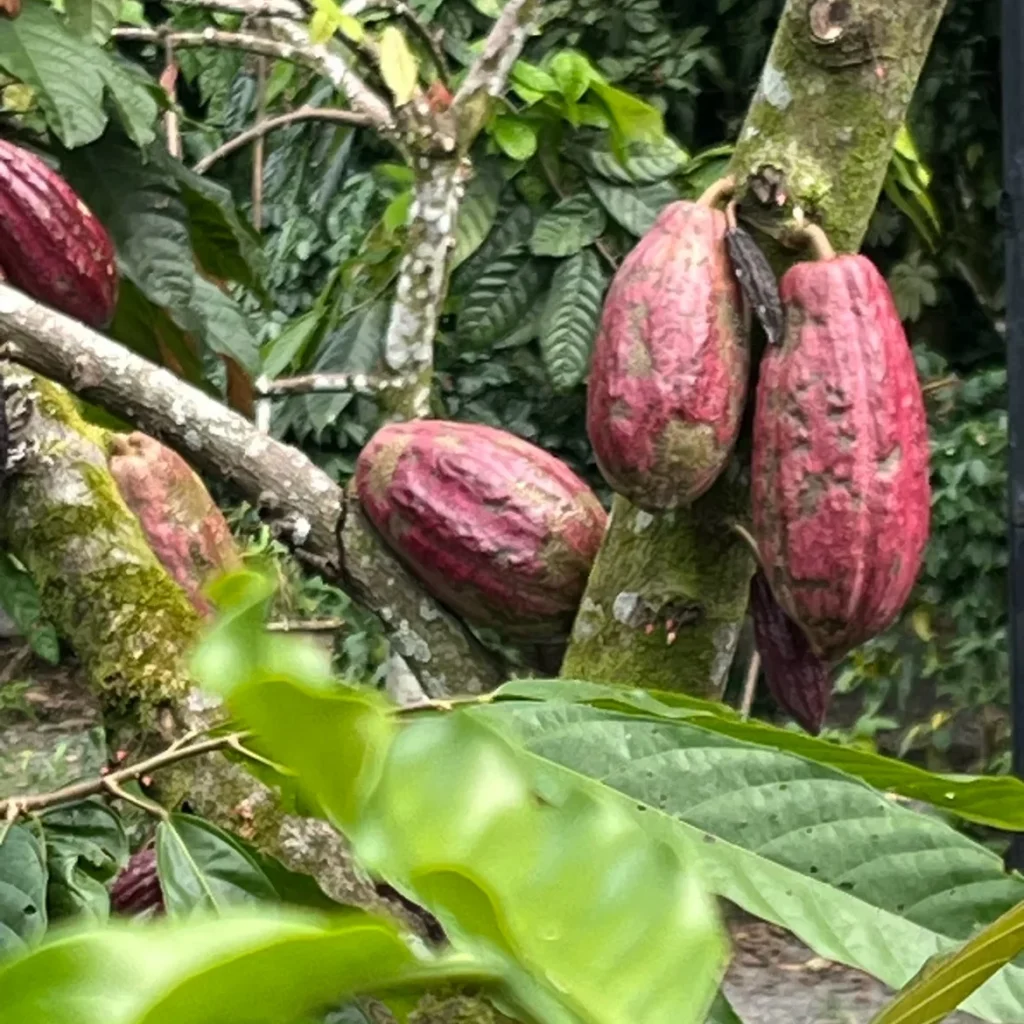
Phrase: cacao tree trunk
(816,142)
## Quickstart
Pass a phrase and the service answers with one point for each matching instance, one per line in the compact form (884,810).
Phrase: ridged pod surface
(52,247)
(841,497)
(797,678)
(668,380)
(497,529)
(183,526)
(136,892)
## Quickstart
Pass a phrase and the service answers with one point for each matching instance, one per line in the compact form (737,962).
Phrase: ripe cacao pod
(841,495)
(52,247)
(668,381)
(497,529)
(182,524)
(136,891)
(797,678)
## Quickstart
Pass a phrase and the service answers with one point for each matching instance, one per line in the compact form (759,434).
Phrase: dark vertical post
(1013,185)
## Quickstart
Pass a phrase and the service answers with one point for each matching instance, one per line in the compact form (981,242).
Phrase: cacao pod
(668,381)
(182,524)
(497,529)
(52,246)
(136,890)
(797,678)
(841,495)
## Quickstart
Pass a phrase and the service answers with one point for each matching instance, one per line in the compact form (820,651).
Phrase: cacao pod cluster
(52,247)
(839,475)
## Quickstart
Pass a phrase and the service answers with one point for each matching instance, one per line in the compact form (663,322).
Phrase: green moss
(455,1008)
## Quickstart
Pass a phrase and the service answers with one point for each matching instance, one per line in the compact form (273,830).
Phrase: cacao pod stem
(814,236)
(717,191)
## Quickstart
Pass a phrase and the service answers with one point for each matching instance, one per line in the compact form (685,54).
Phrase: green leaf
(643,163)
(533,78)
(571,318)
(202,867)
(19,598)
(722,1012)
(512,229)
(857,879)
(478,212)
(93,19)
(218,320)
(636,209)
(914,286)
(573,74)
(516,137)
(23,882)
(568,227)
(943,986)
(398,66)
(71,76)
(86,846)
(633,119)
(269,965)
(498,300)
(287,348)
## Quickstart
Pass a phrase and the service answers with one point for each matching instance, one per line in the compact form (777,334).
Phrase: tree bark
(816,143)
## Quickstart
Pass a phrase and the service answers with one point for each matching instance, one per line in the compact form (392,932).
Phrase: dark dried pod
(757,280)
(136,890)
(797,678)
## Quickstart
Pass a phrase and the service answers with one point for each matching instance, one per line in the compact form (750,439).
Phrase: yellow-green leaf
(946,982)
(398,65)
(351,28)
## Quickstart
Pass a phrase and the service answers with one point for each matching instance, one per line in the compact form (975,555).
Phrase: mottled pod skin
(136,891)
(668,380)
(797,678)
(183,526)
(52,247)
(497,529)
(841,497)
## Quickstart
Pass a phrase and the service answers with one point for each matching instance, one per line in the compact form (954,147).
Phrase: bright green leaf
(634,120)
(572,73)
(516,137)
(398,65)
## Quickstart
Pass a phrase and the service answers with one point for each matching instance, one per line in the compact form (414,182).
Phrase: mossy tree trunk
(816,143)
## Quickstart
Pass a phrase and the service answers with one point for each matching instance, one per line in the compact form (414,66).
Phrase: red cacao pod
(52,246)
(497,529)
(184,527)
(840,456)
(797,678)
(668,381)
(136,890)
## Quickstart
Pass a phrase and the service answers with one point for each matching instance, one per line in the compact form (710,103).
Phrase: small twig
(306,626)
(169,80)
(330,383)
(259,144)
(750,685)
(236,745)
(258,131)
(15,663)
(940,384)
(741,531)
(115,789)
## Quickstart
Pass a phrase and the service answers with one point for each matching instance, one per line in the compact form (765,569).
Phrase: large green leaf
(513,226)
(477,212)
(571,317)
(989,800)
(71,76)
(641,163)
(203,868)
(856,878)
(398,65)
(22,889)
(636,209)
(943,985)
(219,321)
(249,968)
(499,299)
(93,19)
(568,227)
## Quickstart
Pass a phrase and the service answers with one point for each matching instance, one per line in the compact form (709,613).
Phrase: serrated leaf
(571,318)
(202,868)
(477,213)
(398,65)
(20,599)
(511,231)
(94,19)
(516,137)
(636,209)
(568,227)
(859,880)
(499,298)
(72,76)
(22,889)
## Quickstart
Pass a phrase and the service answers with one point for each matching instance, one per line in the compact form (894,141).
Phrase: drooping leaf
(568,227)
(571,317)
(93,19)
(633,119)
(219,321)
(288,346)
(277,965)
(499,298)
(19,598)
(942,986)
(636,209)
(477,213)
(516,136)
(22,889)
(203,868)
(857,879)
(71,76)
(573,73)
(398,65)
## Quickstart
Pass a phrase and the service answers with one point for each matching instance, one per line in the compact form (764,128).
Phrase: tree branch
(293,45)
(327,383)
(250,8)
(257,131)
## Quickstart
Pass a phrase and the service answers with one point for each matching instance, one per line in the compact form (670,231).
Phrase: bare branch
(327,383)
(293,45)
(348,117)
(250,8)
